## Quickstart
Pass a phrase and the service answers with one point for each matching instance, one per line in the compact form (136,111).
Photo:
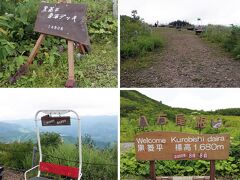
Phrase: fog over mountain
(102,129)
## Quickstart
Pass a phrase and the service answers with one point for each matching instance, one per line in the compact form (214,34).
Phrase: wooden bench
(51,168)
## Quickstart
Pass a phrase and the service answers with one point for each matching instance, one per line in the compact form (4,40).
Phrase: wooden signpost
(162,120)
(151,146)
(63,20)
(180,121)
(201,123)
(143,122)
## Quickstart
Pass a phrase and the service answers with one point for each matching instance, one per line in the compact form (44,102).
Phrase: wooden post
(212,169)
(36,48)
(24,68)
(34,156)
(70,82)
(81,48)
(152,170)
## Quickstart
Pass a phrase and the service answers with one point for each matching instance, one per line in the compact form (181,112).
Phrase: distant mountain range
(102,129)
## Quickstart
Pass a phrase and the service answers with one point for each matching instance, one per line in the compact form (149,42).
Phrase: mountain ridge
(24,130)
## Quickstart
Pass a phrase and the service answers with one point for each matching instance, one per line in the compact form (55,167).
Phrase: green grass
(225,169)
(217,34)
(227,37)
(137,38)
(129,127)
(98,69)
(140,45)
(135,104)
(97,163)
(17,39)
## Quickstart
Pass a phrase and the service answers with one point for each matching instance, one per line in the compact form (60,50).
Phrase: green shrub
(232,44)
(97,163)
(14,155)
(224,168)
(17,39)
(136,38)
(228,37)
(217,34)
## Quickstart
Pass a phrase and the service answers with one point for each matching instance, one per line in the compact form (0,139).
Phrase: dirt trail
(12,175)
(186,61)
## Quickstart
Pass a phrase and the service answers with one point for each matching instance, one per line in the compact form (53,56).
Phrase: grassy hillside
(135,104)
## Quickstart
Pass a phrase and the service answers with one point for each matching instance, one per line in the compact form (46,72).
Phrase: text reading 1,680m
(209,147)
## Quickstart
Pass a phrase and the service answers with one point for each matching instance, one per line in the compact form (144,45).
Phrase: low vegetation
(225,169)
(50,68)
(97,163)
(137,37)
(227,37)
(134,104)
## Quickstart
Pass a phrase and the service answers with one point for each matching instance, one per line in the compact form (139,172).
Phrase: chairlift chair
(47,167)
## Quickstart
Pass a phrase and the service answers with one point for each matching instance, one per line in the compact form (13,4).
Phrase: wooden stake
(212,169)
(82,50)
(70,82)
(152,170)
(71,59)
(36,48)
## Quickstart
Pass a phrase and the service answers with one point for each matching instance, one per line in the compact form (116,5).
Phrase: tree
(51,139)
(87,140)
(134,15)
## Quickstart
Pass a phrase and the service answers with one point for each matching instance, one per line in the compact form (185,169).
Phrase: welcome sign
(64,20)
(181,146)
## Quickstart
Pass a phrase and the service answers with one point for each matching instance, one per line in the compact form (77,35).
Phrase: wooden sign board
(55,121)
(64,20)
(181,146)
(143,122)
(201,120)
(162,119)
(180,120)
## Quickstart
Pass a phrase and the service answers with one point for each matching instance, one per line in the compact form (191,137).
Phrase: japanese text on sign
(181,146)
(63,20)
(55,121)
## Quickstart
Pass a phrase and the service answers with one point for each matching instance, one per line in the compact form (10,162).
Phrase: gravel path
(12,175)
(186,61)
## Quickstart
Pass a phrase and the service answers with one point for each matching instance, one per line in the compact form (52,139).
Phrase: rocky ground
(12,175)
(186,61)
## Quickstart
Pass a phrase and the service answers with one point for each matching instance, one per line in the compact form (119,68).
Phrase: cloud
(165,11)
(192,98)
(24,103)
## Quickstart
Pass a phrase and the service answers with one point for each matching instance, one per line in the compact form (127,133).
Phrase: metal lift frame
(56,112)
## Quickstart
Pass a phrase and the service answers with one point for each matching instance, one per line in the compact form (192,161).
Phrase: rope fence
(59,158)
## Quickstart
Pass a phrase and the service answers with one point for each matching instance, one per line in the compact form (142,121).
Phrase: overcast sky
(24,103)
(200,99)
(210,11)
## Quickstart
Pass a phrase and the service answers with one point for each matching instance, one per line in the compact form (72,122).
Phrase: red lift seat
(67,171)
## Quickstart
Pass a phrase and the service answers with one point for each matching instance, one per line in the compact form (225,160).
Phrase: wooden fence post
(152,170)
(212,169)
